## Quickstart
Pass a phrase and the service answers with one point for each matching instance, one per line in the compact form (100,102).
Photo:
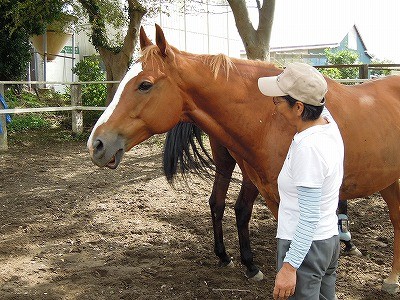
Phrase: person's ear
(299,107)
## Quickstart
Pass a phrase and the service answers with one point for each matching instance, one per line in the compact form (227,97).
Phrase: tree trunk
(116,66)
(256,42)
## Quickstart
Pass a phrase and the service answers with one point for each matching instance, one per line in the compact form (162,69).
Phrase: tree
(20,19)
(341,57)
(380,72)
(256,41)
(89,69)
(116,58)
(14,54)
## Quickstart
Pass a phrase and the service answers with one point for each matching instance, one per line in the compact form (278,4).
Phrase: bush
(34,121)
(341,57)
(90,69)
(379,73)
(28,122)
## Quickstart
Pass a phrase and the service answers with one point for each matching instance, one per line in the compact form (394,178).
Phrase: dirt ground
(70,230)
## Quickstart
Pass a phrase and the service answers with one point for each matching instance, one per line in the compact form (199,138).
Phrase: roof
(301,25)
(308,36)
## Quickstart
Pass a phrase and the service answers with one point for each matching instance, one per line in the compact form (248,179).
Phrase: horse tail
(184,148)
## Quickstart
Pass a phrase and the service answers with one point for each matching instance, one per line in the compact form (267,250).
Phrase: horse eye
(145,86)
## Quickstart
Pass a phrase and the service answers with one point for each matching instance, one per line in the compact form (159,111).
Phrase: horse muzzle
(107,150)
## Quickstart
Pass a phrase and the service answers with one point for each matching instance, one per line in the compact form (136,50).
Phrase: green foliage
(341,57)
(20,19)
(31,16)
(34,121)
(103,16)
(89,69)
(27,122)
(23,99)
(378,72)
(14,47)
(14,55)
(24,122)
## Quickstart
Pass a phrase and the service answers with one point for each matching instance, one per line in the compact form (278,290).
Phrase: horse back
(368,116)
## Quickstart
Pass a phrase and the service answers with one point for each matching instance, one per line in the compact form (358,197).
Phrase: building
(310,47)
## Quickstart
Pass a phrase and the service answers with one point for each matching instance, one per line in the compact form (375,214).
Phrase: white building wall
(207,28)
(60,69)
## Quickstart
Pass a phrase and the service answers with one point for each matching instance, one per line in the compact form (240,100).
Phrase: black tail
(184,147)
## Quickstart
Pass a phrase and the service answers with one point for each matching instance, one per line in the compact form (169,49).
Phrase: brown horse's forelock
(151,54)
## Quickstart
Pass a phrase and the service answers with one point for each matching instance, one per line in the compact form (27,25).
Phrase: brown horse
(221,96)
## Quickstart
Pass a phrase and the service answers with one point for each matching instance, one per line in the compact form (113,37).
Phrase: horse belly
(368,181)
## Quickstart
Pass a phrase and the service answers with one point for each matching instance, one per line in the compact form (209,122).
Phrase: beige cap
(300,81)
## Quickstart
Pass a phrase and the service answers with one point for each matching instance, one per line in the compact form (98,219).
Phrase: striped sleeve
(309,205)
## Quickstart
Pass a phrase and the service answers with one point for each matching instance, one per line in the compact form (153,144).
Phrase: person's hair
(310,112)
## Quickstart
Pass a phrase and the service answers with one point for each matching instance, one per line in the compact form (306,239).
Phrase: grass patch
(27,122)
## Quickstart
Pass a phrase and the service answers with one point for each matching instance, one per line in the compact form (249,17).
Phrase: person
(307,235)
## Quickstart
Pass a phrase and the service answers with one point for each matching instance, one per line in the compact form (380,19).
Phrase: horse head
(147,102)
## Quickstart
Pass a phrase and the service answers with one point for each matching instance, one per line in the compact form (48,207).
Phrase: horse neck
(230,108)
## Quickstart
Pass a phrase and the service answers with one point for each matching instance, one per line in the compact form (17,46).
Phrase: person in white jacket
(308,244)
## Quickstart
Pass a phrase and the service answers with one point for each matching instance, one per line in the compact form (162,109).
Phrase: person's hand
(285,282)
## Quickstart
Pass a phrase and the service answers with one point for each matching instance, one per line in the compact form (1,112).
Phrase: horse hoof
(231,264)
(353,252)
(224,264)
(258,277)
(391,288)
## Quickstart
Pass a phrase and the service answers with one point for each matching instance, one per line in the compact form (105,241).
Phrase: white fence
(76,106)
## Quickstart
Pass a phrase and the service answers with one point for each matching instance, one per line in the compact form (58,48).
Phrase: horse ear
(160,40)
(144,40)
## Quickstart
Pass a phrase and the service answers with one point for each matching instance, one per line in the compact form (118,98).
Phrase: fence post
(77,115)
(3,135)
(363,72)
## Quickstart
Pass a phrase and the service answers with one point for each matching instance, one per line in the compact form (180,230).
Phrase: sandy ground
(70,230)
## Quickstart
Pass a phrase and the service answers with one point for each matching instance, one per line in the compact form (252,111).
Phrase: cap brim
(269,87)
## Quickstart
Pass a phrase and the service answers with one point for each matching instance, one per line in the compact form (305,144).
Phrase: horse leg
(392,197)
(243,209)
(225,165)
(344,230)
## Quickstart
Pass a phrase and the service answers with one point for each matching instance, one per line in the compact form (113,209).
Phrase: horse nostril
(98,148)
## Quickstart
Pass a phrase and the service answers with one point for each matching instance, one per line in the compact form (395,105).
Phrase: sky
(299,22)
(377,20)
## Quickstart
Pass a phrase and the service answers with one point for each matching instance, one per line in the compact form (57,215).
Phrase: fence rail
(56,82)
(49,109)
(363,69)
(75,98)
(77,108)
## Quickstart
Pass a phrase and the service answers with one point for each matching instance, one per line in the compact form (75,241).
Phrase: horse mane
(216,62)
(184,147)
